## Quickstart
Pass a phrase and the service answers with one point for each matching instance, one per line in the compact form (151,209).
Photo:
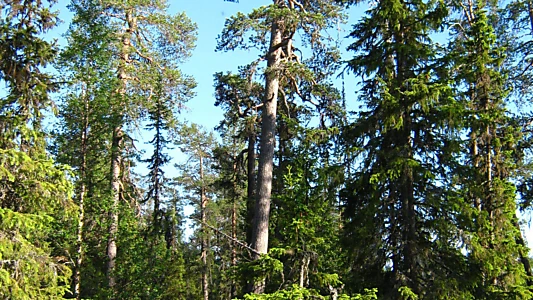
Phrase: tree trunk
(203,205)
(170,230)
(409,212)
(82,191)
(266,154)
(304,270)
(116,161)
(116,151)
(250,192)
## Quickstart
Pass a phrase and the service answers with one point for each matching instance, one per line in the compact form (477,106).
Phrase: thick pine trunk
(266,154)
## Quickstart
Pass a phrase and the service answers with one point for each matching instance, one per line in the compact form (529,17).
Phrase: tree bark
(304,270)
(116,162)
(82,191)
(266,154)
(116,150)
(250,192)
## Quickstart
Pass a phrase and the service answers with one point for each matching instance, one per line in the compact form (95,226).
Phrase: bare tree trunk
(304,269)
(82,191)
(266,156)
(203,205)
(116,161)
(250,192)
(116,152)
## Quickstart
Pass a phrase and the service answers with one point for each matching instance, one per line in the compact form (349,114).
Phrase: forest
(416,185)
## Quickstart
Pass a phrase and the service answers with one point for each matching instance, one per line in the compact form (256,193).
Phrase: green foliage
(199,144)
(368,294)
(398,227)
(267,265)
(27,269)
(32,184)
(492,241)
(407,294)
(294,293)
(34,191)
(298,293)
(415,196)
(23,55)
(157,44)
(146,267)
(122,65)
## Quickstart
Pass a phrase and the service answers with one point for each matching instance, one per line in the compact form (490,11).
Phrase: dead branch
(236,241)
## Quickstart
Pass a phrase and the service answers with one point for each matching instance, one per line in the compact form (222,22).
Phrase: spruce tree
(34,191)
(161,120)
(488,155)
(395,206)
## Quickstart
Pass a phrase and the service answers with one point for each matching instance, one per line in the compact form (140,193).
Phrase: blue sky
(205,61)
